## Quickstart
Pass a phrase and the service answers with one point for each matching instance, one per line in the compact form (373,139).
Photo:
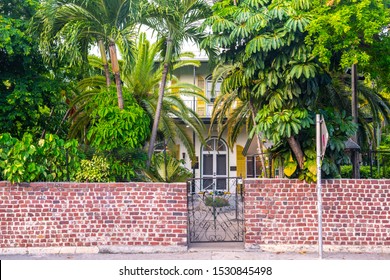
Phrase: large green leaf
(312,166)
(290,168)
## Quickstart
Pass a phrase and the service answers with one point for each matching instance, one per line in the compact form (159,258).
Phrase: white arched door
(214,165)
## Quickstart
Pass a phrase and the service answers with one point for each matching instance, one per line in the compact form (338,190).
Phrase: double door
(214,167)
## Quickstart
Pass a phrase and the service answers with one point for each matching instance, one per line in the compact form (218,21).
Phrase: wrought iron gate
(215,214)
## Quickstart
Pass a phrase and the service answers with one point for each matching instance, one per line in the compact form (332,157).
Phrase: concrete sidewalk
(212,255)
(205,252)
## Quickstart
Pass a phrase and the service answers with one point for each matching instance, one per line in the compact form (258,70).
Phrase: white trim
(214,153)
(314,248)
(49,250)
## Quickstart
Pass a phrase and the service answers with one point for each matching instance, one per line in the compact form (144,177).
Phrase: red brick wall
(70,214)
(277,212)
(284,212)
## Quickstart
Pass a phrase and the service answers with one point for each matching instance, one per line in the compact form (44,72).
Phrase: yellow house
(215,161)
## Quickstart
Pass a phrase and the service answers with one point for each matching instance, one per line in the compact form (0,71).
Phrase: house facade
(215,161)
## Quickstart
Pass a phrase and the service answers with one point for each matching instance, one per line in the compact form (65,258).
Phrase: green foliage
(216,201)
(94,170)
(290,167)
(68,28)
(27,160)
(365,172)
(273,70)
(174,22)
(385,143)
(31,97)
(124,164)
(165,168)
(113,128)
(14,17)
(341,31)
(379,67)
(284,124)
(346,171)
(340,128)
(271,61)
(309,172)
(143,80)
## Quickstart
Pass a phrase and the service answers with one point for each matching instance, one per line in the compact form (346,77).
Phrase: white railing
(203,109)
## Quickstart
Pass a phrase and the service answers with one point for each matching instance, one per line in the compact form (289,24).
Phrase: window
(210,94)
(209,86)
(253,167)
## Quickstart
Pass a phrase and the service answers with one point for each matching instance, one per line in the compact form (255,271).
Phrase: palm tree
(167,169)
(71,27)
(143,79)
(374,109)
(174,21)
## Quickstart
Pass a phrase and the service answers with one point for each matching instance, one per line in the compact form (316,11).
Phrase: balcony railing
(202,108)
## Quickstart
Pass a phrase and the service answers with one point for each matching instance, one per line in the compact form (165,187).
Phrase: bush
(112,128)
(123,165)
(216,201)
(165,168)
(365,172)
(48,159)
(94,170)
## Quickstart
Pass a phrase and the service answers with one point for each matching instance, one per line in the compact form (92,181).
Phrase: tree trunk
(167,60)
(115,69)
(260,146)
(297,150)
(105,63)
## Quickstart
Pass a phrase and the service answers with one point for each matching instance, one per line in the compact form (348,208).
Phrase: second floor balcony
(202,108)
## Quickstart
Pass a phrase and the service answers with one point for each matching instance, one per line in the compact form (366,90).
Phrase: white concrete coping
(119,249)
(314,248)
(49,250)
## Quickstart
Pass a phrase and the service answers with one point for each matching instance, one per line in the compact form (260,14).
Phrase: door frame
(215,152)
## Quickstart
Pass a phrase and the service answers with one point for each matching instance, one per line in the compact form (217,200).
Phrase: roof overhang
(351,145)
(250,148)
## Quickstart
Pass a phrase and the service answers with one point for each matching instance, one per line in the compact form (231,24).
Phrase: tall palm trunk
(260,146)
(105,62)
(167,60)
(115,69)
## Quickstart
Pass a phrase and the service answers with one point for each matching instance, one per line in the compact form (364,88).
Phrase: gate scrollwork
(215,215)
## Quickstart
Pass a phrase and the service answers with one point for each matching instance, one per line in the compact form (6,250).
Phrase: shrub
(165,168)
(365,172)
(216,201)
(123,164)
(113,128)
(48,159)
(95,170)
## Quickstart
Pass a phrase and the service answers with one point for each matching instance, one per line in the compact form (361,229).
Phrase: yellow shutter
(201,105)
(241,162)
(177,148)
(175,89)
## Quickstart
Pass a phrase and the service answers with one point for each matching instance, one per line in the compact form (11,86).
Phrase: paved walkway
(205,252)
(211,255)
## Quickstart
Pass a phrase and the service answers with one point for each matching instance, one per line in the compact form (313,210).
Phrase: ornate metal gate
(216,214)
